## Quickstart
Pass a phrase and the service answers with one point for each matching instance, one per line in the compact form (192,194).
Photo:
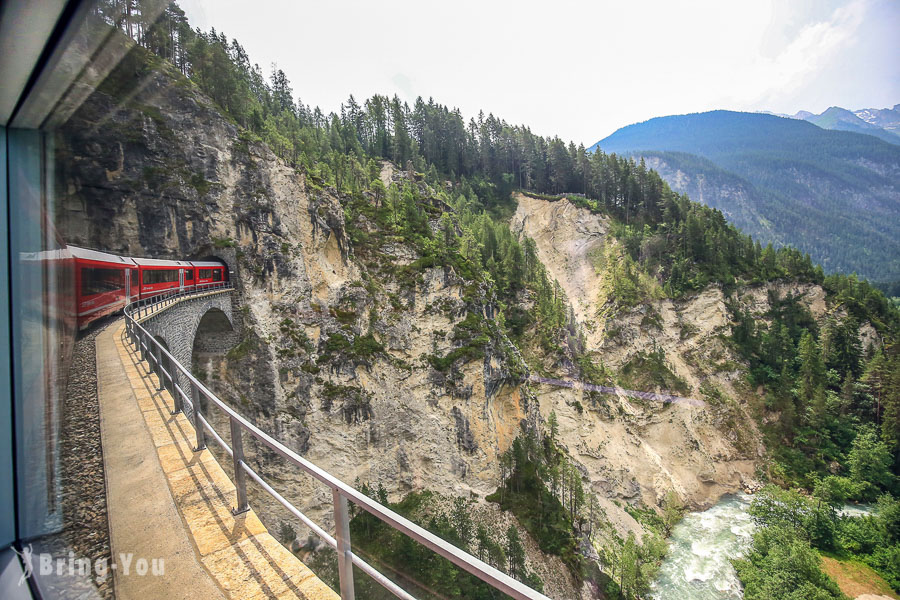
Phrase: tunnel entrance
(218,259)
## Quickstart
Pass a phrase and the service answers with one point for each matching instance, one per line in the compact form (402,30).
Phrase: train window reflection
(160,276)
(99,281)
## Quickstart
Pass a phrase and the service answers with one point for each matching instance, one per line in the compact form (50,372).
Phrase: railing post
(198,424)
(176,392)
(240,478)
(159,370)
(342,536)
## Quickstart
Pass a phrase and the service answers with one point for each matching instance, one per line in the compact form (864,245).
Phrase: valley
(830,193)
(400,275)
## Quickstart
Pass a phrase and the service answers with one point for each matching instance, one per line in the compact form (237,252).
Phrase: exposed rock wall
(161,173)
(333,356)
(637,451)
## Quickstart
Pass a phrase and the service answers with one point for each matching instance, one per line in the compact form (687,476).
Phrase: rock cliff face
(334,352)
(162,173)
(634,450)
(638,450)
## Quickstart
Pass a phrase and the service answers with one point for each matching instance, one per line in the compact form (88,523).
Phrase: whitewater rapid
(698,565)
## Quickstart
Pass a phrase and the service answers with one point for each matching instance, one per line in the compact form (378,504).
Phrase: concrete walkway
(168,502)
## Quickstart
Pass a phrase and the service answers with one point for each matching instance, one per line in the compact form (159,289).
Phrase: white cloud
(805,56)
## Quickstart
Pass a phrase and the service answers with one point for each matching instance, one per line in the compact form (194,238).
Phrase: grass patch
(650,370)
(362,348)
(855,577)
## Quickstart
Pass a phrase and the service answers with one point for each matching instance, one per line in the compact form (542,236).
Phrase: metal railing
(152,351)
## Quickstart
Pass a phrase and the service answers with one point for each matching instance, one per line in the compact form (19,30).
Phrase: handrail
(152,351)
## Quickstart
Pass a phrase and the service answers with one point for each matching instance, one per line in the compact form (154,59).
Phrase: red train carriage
(157,276)
(103,283)
(208,272)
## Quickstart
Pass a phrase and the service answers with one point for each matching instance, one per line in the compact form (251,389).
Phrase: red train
(104,283)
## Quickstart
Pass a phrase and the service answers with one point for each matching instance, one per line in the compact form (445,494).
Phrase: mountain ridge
(883,123)
(834,194)
(841,119)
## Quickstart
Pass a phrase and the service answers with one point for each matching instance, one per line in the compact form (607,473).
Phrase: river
(697,566)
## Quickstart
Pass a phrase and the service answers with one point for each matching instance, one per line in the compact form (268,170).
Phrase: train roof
(158,262)
(87,254)
(96,255)
(206,263)
(55,254)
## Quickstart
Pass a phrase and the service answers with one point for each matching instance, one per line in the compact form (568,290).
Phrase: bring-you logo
(126,563)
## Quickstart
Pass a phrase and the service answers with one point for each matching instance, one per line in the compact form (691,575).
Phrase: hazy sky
(579,70)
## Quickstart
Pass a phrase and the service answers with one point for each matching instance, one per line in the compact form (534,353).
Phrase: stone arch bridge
(203,322)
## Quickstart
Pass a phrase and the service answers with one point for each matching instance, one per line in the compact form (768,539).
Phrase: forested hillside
(418,195)
(833,194)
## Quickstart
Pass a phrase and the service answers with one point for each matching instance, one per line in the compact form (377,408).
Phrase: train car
(158,276)
(206,272)
(103,283)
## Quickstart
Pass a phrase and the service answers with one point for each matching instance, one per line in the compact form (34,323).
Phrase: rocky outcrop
(637,450)
(332,360)
(337,350)
(632,450)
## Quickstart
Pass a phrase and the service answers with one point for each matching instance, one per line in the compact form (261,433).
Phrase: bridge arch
(214,332)
(205,320)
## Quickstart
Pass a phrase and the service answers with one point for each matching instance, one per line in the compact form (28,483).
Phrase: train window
(98,281)
(206,273)
(217,275)
(160,276)
(189,274)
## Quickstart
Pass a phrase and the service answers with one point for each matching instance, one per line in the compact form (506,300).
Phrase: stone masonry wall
(177,327)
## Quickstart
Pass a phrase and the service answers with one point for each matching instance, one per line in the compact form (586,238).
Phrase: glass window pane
(98,281)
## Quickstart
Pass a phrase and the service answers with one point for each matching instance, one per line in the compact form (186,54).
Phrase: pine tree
(811,380)
(515,553)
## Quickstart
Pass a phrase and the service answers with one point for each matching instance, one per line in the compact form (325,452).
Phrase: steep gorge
(378,415)
(338,337)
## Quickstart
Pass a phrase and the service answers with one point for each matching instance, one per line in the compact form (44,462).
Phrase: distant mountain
(702,180)
(886,118)
(834,194)
(841,119)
